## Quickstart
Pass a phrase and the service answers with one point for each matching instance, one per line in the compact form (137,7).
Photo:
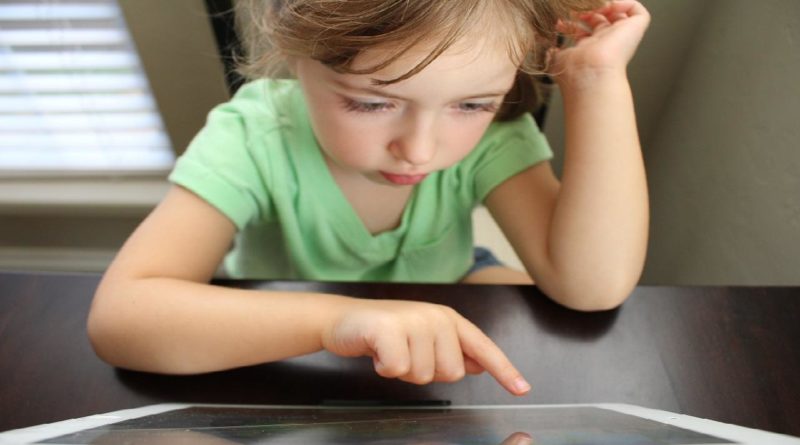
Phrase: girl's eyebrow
(382,93)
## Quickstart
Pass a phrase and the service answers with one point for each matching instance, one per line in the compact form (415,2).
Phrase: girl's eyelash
(365,107)
(373,107)
(471,107)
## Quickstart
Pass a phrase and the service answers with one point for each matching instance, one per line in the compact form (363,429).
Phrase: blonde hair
(335,32)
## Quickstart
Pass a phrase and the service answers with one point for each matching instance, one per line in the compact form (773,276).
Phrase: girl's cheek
(350,139)
(466,137)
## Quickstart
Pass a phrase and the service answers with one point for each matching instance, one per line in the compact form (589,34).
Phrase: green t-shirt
(257,161)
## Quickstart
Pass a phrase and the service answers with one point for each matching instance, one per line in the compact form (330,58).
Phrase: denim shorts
(483,258)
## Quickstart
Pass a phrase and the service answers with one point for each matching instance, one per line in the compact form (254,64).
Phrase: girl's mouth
(403,179)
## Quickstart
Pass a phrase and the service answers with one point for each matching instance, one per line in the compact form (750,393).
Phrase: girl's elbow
(110,346)
(606,302)
(110,338)
(106,336)
(595,297)
(101,337)
(115,341)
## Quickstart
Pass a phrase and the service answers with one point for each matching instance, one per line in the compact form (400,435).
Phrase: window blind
(73,95)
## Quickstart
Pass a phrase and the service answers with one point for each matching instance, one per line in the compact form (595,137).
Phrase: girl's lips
(403,179)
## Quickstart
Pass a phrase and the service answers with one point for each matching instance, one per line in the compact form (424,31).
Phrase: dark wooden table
(725,353)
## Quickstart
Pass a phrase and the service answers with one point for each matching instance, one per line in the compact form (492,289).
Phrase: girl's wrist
(590,80)
(332,309)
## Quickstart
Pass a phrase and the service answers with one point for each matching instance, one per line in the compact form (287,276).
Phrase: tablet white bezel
(734,433)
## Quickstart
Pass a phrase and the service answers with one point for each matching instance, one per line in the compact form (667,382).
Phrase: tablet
(596,424)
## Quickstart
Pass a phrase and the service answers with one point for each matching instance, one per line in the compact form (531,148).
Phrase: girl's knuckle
(452,374)
(394,370)
(421,378)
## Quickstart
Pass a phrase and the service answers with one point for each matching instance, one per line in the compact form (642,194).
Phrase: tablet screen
(479,426)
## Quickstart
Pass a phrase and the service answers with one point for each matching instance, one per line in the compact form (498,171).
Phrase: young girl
(403,117)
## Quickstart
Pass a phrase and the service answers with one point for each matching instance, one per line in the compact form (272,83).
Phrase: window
(73,95)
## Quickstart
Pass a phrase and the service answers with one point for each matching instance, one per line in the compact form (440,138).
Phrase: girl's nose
(417,146)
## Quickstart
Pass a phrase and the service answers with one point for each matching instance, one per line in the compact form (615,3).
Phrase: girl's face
(397,134)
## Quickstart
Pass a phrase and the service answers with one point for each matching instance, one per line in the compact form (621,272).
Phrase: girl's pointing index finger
(480,348)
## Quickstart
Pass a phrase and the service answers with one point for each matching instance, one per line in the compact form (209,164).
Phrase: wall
(179,54)
(724,159)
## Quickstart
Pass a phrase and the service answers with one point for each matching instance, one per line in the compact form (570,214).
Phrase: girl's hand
(604,40)
(418,343)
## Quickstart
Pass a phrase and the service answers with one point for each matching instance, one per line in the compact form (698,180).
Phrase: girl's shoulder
(523,126)
(258,107)
(265,89)
(263,96)
(505,149)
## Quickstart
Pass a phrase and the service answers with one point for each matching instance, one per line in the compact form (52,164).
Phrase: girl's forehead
(458,73)
(470,51)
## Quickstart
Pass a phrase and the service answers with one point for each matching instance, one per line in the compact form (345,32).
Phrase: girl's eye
(365,107)
(477,107)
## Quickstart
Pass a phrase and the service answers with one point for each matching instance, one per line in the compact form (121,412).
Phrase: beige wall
(724,159)
(179,54)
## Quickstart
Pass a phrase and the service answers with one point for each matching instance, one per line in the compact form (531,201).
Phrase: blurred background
(98,97)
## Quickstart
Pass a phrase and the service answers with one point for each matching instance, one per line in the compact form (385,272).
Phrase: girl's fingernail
(521,385)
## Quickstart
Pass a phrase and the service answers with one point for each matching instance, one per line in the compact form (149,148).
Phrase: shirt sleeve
(506,149)
(218,167)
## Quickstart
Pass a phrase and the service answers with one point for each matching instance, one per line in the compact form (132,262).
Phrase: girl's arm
(584,241)
(155,311)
